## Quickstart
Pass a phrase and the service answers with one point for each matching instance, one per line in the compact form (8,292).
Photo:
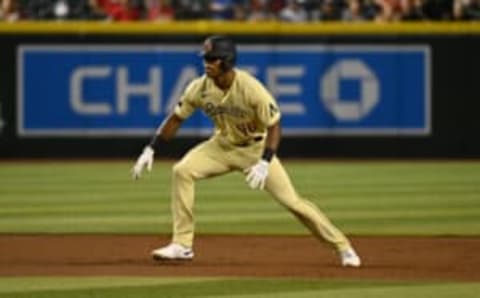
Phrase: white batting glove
(144,160)
(257,174)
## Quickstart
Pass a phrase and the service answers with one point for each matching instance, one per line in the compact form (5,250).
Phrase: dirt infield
(395,258)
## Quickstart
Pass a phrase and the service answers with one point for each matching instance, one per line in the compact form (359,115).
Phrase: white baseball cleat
(173,251)
(350,258)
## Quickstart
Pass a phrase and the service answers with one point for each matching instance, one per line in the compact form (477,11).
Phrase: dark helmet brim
(211,55)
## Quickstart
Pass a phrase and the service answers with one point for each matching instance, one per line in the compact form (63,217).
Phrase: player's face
(212,66)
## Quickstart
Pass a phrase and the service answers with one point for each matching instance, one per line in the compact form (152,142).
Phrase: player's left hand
(257,174)
(144,160)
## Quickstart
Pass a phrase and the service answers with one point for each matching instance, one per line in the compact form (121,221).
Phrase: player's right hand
(144,160)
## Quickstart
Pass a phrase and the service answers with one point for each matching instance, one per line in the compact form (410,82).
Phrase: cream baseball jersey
(240,114)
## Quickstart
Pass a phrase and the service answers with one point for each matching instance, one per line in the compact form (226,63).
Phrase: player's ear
(226,65)
(221,64)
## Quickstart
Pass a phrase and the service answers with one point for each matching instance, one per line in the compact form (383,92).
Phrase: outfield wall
(345,90)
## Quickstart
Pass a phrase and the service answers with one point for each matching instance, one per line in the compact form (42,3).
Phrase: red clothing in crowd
(160,13)
(119,10)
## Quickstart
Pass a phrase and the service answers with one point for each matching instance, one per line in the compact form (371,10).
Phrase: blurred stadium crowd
(242,10)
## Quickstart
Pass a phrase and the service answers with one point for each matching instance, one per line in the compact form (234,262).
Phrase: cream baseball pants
(215,157)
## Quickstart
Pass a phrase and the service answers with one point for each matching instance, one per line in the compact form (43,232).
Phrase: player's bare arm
(164,133)
(167,129)
(272,141)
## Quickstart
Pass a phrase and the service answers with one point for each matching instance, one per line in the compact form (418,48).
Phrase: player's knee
(293,204)
(181,171)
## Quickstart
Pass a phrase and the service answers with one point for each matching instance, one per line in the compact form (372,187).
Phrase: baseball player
(246,137)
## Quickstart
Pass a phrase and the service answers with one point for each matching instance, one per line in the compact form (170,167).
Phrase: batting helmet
(220,47)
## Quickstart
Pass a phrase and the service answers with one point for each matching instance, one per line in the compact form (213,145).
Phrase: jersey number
(247,128)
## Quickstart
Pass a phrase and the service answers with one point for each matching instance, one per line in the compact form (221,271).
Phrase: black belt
(249,142)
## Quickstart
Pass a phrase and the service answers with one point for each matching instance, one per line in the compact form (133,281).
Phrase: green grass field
(115,287)
(362,198)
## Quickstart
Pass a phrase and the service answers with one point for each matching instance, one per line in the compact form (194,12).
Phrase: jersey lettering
(212,110)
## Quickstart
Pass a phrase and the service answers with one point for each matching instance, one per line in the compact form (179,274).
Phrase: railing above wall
(240,28)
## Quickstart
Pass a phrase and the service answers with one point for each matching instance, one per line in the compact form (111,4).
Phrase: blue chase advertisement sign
(98,90)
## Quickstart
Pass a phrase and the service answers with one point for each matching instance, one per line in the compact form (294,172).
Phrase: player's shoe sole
(166,259)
